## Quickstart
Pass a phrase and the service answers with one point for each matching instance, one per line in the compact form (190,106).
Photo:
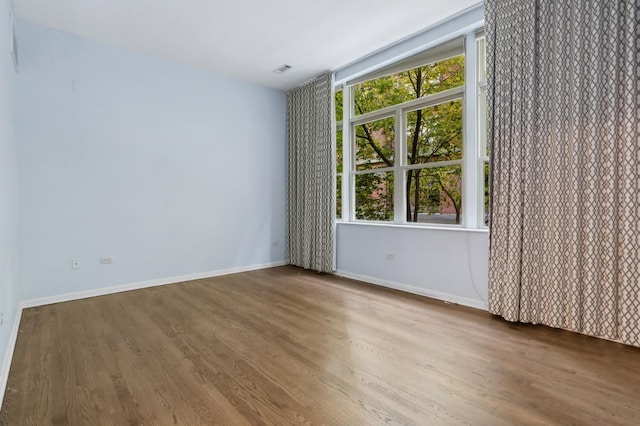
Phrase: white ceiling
(246,38)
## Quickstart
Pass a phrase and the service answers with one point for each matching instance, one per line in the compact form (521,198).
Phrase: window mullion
(367,171)
(470,135)
(481,118)
(348,188)
(433,165)
(399,198)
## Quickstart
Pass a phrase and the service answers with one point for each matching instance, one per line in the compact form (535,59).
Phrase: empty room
(420,212)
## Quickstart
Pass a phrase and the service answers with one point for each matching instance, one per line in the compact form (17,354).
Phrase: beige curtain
(564,96)
(311,195)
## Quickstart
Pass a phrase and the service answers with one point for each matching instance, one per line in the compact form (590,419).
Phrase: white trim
(446,297)
(373,171)
(416,225)
(434,164)
(8,355)
(142,284)
(32,303)
(470,186)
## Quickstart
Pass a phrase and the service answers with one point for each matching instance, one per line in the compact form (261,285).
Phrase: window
(434,163)
(412,139)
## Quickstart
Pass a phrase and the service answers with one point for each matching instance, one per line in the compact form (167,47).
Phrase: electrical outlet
(391,256)
(1,318)
(75,264)
(106,260)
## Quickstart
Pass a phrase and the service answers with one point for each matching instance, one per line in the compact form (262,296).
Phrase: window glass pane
(486,194)
(482,59)
(374,196)
(435,133)
(407,85)
(483,119)
(435,195)
(339,196)
(338,103)
(339,150)
(374,144)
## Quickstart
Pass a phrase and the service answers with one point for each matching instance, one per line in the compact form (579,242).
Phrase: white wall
(449,264)
(168,169)
(8,196)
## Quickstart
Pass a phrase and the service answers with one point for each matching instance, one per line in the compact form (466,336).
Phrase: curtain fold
(311,159)
(564,129)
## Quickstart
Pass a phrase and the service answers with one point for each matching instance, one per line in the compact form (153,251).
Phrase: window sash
(409,106)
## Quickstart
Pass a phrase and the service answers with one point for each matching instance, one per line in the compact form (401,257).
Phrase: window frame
(400,166)
(472,161)
(338,127)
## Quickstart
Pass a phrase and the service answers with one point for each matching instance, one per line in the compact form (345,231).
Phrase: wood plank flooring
(288,346)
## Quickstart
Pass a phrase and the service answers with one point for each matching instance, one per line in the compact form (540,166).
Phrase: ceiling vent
(282,69)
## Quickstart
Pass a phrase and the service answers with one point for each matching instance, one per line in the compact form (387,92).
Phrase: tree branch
(448,194)
(455,135)
(451,74)
(373,145)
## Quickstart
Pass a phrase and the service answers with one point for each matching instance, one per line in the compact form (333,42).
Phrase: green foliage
(374,196)
(338,103)
(435,190)
(339,151)
(405,86)
(338,196)
(433,134)
(375,144)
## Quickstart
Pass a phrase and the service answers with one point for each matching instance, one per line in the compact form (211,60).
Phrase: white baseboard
(142,284)
(8,355)
(465,301)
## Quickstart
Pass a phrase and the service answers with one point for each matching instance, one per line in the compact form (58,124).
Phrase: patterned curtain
(311,204)
(564,96)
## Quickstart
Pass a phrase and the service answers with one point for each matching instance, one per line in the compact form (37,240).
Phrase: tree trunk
(413,216)
(407,194)
(416,196)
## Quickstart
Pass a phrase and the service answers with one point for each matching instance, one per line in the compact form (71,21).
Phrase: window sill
(412,226)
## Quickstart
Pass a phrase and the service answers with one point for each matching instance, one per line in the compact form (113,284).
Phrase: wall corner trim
(8,355)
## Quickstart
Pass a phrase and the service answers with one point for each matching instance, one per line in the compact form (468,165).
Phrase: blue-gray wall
(168,169)
(8,193)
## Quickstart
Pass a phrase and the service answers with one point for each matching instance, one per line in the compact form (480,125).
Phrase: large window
(406,145)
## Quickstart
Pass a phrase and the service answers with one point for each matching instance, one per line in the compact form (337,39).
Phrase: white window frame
(481,120)
(398,113)
(338,127)
(473,139)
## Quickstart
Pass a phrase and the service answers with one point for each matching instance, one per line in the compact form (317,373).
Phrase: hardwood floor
(287,346)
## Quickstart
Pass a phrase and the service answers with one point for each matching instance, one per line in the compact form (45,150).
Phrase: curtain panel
(311,191)
(564,127)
